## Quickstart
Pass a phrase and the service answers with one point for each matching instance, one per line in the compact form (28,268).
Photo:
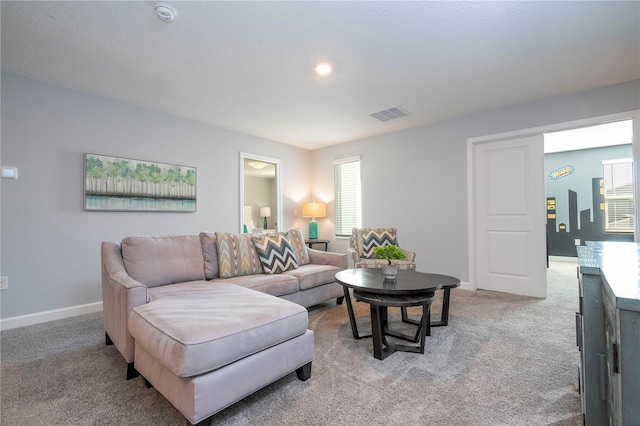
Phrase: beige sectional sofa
(198,316)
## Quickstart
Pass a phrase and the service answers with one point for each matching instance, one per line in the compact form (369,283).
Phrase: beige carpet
(503,360)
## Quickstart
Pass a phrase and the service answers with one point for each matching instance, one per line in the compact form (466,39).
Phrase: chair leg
(132,373)
(304,372)
(205,422)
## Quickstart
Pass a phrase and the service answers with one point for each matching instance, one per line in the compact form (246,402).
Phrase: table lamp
(265,212)
(314,210)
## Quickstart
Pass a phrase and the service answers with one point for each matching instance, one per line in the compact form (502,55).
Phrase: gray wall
(587,164)
(416,180)
(50,246)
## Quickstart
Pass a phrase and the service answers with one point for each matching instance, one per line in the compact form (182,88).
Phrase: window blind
(618,195)
(346,177)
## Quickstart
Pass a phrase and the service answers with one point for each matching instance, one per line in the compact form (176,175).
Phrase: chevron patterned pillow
(275,253)
(299,247)
(236,255)
(377,237)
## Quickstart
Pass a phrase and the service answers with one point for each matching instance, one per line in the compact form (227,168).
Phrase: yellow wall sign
(561,172)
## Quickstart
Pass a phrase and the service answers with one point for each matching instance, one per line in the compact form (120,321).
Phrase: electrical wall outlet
(4,283)
(577,241)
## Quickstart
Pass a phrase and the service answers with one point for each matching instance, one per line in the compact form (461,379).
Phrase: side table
(378,306)
(410,288)
(444,313)
(310,242)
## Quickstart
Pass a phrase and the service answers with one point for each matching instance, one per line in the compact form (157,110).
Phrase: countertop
(619,264)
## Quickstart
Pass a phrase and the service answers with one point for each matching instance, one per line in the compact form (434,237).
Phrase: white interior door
(510,216)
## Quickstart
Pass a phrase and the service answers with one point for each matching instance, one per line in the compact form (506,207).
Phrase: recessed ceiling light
(323,68)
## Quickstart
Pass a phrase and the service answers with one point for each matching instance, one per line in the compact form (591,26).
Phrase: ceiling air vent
(389,114)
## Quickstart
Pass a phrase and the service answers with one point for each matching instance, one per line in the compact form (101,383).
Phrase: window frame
(352,222)
(610,196)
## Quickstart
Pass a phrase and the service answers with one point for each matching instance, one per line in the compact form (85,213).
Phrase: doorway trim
(472,144)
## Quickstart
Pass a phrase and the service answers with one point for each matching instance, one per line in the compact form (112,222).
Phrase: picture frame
(125,184)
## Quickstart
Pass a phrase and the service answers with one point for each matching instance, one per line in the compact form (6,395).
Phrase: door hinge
(616,359)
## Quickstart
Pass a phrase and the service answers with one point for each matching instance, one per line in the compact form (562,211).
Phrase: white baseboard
(465,286)
(39,317)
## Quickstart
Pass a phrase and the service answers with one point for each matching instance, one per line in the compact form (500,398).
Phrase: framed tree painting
(124,184)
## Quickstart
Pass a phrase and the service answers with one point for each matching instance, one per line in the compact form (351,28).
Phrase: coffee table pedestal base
(379,330)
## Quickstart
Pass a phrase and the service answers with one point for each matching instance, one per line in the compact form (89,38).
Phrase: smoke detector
(165,13)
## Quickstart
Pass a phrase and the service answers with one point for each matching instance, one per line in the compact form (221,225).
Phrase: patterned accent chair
(364,240)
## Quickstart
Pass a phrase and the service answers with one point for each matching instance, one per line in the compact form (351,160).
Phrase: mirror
(259,193)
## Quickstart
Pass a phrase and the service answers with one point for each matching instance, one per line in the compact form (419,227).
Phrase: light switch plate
(4,283)
(9,173)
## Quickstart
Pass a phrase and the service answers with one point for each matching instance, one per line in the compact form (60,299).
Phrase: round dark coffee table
(410,288)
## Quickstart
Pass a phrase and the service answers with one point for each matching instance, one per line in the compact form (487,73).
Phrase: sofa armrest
(120,294)
(410,256)
(318,257)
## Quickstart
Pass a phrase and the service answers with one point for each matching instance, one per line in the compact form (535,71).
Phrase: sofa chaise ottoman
(214,346)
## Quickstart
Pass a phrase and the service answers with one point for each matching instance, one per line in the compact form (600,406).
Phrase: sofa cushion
(379,263)
(371,263)
(275,253)
(376,237)
(180,289)
(313,275)
(162,260)
(404,264)
(297,242)
(205,330)
(210,254)
(236,255)
(275,285)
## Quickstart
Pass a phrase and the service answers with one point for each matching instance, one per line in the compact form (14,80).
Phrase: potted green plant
(389,252)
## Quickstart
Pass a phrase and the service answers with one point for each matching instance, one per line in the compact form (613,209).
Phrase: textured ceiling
(248,66)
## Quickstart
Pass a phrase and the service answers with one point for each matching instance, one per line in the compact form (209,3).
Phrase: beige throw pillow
(297,242)
(237,255)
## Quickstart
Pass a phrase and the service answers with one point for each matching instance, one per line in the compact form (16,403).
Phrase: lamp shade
(265,211)
(314,209)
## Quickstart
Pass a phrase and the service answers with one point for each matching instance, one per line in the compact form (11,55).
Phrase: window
(346,178)
(618,195)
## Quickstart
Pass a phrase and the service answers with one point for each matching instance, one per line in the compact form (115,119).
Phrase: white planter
(390,272)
